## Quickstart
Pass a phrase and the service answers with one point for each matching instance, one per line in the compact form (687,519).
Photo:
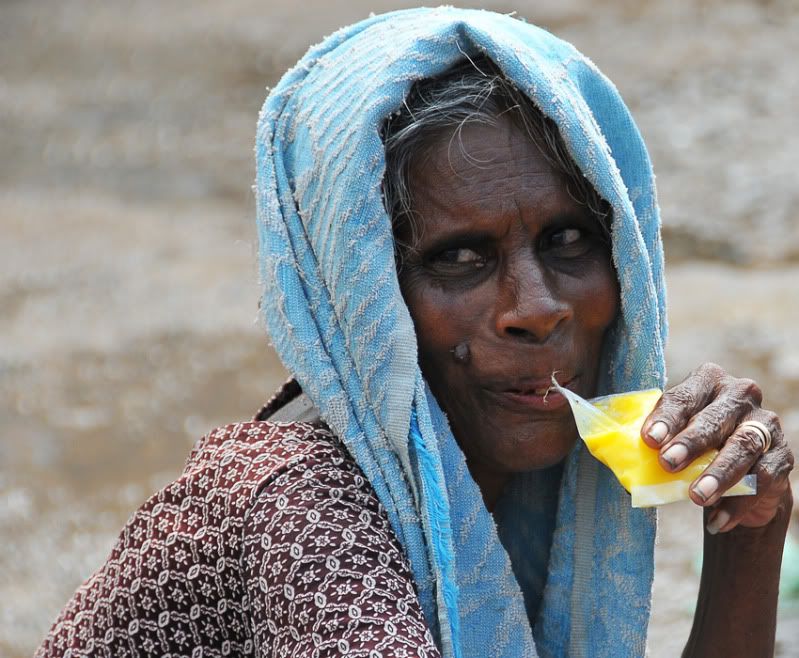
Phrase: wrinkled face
(510,281)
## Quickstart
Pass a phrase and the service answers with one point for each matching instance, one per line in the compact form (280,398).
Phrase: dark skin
(736,613)
(511,265)
(509,279)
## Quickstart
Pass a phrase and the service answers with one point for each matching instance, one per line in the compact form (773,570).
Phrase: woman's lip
(540,398)
(549,402)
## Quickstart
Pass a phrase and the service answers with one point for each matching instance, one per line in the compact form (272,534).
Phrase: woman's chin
(525,454)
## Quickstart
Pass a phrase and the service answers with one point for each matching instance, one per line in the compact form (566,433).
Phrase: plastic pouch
(611,425)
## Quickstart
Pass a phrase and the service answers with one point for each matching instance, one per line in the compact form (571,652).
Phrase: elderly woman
(453,205)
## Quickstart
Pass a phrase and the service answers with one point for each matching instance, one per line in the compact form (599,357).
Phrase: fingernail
(706,487)
(675,455)
(718,522)
(659,431)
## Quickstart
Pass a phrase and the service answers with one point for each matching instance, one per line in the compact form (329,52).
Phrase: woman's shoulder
(246,452)
(179,555)
(241,457)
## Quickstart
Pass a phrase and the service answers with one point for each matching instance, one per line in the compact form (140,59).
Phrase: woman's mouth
(539,395)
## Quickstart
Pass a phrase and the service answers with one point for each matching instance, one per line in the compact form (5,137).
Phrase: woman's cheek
(594,296)
(443,321)
(439,316)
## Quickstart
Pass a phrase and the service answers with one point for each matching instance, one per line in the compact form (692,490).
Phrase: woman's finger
(681,403)
(712,427)
(742,450)
(755,511)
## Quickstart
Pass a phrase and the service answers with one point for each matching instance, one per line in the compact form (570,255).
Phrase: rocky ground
(128,289)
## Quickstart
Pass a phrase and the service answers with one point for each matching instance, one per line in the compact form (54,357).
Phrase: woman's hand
(736,611)
(712,409)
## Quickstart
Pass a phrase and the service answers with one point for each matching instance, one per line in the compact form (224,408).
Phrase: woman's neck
(491,483)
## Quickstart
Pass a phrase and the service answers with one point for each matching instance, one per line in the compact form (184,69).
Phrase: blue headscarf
(333,308)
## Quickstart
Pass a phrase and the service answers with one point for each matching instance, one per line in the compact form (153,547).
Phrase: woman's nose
(528,303)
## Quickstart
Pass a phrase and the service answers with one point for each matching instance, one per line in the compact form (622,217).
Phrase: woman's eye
(566,237)
(460,256)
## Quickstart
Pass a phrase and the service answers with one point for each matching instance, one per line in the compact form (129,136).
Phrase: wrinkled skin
(508,279)
(706,411)
(511,265)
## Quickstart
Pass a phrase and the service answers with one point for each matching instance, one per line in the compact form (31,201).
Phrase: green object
(789,577)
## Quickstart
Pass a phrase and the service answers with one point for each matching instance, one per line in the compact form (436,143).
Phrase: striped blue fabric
(333,308)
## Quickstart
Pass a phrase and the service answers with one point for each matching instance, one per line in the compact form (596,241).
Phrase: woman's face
(510,280)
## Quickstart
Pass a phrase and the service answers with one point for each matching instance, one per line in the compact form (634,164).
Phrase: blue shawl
(333,308)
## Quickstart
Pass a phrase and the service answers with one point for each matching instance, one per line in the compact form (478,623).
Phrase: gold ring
(761,429)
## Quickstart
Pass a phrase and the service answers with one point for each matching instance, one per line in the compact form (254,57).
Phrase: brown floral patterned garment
(271,543)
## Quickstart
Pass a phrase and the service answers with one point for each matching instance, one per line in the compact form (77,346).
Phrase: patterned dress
(271,543)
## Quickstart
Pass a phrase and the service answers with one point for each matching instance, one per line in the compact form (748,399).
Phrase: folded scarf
(333,308)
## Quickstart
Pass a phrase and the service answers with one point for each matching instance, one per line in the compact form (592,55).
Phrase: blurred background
(128,289)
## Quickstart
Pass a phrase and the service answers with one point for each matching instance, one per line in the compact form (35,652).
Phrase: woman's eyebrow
(580,215)
(455,238)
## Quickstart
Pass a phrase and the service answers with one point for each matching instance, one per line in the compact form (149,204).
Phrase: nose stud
(461,352)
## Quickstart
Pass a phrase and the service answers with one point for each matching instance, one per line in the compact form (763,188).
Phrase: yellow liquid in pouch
(611,425)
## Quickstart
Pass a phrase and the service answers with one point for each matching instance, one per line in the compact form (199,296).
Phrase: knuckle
(678,398)
(789,459)
(759,470)
(749,389)
(749,441)
(776,465)
(712,369)
(707,426)
(736,409)
(771,420)
(727,410)
(725,471)
(766,474)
